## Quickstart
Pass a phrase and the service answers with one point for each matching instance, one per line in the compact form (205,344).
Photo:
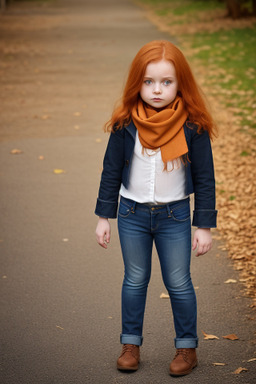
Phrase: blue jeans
(169,226)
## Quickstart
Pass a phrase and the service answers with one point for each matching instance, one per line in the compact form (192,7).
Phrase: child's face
(160,84)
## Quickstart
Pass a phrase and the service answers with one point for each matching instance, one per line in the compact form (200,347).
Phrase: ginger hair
(188,89)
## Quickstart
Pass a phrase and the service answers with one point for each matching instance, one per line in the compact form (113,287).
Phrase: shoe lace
(128,348)
(182,351)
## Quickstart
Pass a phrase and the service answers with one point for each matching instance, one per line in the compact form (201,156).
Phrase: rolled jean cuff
(186,343)
(131,339)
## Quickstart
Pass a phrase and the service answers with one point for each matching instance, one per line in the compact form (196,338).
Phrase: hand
(103,232)
(202,241)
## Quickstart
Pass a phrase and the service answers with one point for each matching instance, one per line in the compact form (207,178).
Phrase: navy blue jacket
(199,174)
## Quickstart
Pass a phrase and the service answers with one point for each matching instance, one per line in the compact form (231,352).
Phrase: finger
(200,250)
(108,237)
(101,241)
(103,244)
(194,244)
(203,249)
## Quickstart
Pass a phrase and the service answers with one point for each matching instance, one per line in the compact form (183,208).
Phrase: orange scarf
(162,129)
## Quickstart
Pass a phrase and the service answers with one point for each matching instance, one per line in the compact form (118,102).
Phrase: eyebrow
(164,77)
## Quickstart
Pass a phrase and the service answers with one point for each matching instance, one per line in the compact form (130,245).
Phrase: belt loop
(133,207)
(169,211)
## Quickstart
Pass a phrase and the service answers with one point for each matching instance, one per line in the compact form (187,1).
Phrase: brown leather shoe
(184,361)
(129,358)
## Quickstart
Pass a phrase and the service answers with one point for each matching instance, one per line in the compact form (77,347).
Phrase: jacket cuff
(205,218)
(106,209)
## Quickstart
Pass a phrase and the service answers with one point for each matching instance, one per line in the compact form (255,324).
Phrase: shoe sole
(185,372)
(121,368)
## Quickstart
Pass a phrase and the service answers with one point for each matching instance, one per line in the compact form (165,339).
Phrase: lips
(157,99)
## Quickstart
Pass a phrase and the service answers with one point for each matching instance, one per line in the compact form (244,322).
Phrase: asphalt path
(60,292)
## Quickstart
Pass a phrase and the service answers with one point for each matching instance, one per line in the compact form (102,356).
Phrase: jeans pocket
(124,210)
(181,212)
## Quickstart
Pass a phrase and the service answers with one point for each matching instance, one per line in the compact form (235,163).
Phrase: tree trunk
(3,4)
(234,9)
(254,7)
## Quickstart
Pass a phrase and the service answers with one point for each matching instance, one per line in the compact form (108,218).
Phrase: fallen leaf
(59,171)
(59,327)
(209,337)
(239,370)
(230,281)
(65,240)
(219,364)
(231,337)
(164,296)
(16,151)
(253,359)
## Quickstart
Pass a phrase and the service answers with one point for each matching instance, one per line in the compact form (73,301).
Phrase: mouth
(156,99)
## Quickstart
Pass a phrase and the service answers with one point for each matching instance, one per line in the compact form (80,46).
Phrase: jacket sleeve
(107,201)
(205,215)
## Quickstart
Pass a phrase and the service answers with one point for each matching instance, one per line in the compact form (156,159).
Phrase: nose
(157,88)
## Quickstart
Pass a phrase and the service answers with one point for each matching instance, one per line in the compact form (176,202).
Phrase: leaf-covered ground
(221,53)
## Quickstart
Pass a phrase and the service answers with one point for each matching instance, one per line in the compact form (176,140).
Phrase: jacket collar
(131,129)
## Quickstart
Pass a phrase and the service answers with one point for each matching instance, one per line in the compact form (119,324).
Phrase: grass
(228,55)
(188,7)
(183,8)
(231,60)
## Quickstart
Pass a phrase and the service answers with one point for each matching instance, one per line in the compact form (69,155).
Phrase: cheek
(143,92)
(173,91)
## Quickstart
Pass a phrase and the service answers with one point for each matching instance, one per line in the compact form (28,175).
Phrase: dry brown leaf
(45,117)
(16,151)
(164,296)
(240,370)
(231,337)
(219,364)
(58,171)
(253,359)
(209,337)
(230,281)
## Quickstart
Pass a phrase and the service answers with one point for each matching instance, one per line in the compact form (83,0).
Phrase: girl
(158,153)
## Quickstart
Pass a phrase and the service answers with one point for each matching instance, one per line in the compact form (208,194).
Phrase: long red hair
(188,89)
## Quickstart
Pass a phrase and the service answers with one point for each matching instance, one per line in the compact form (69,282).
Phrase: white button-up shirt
(149,183)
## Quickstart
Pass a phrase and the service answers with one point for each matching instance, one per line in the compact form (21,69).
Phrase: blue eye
(167,82)
(148,82)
